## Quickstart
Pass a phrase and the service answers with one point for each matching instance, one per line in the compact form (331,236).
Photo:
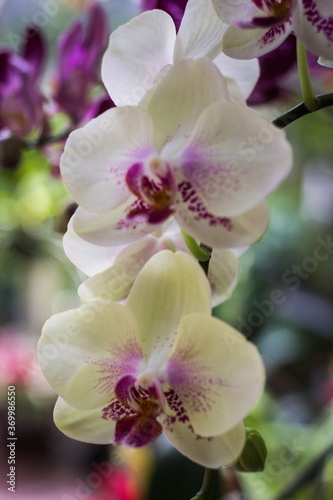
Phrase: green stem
(323,101)
(201,252)
(310,100)
(207,487)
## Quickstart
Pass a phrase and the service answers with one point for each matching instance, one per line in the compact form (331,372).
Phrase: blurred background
(283,301)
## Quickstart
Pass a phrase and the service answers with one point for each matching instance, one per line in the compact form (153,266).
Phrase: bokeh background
(283,302)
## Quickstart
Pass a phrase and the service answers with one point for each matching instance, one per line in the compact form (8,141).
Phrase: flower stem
(207,487)
(323,101)
(200,252)
(310,100)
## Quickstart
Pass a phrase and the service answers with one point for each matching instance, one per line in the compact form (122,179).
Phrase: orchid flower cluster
(171,168)
(26,109)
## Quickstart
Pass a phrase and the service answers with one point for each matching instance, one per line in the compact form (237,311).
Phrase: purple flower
(175,8)
(20,97)
(80,52)
(98,106)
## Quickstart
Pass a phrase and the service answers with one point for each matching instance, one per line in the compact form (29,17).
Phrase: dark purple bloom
(98,106)
(80,51)
(20,97)
(274,67)
(175,8)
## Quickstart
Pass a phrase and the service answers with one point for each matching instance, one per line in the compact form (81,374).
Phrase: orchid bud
(254,454)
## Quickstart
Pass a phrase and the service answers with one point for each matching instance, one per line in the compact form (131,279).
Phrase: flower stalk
(310,101)
(207,487)
(293,114)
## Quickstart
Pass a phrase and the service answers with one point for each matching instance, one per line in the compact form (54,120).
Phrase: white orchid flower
(113,270)
(259,26)
(187,152)
(161,363)
(140,49)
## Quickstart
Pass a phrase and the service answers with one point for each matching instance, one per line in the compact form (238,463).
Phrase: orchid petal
(34,50)
(200,33)
(137,52)
(223,274)
(169,286)
(97,156)
(217,374)
(313,25)
(234,158)
(246,73)
(89,258)
(328,63)
(235,12)
(222,232)
(211,452)
(83,352)
(115,283)
(87,426)
(171,101)
(110,228)
(248,43)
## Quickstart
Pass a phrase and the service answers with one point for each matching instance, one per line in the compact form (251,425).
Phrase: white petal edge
(217,374)
(83,352)
(240,231)
(137,52)
(245,72)
(200,33)
(223,274)
(212,452)
(235,11)
(97,156)
(83,425)
(89,258)
(115,282)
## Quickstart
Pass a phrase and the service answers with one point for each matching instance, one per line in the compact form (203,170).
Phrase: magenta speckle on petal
(116,410)
(273,33)
(121,361)
(178,415)
(322,24)
(176,406)
(196,206)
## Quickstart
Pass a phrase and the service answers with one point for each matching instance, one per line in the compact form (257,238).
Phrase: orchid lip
(153,184)
(138,425)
